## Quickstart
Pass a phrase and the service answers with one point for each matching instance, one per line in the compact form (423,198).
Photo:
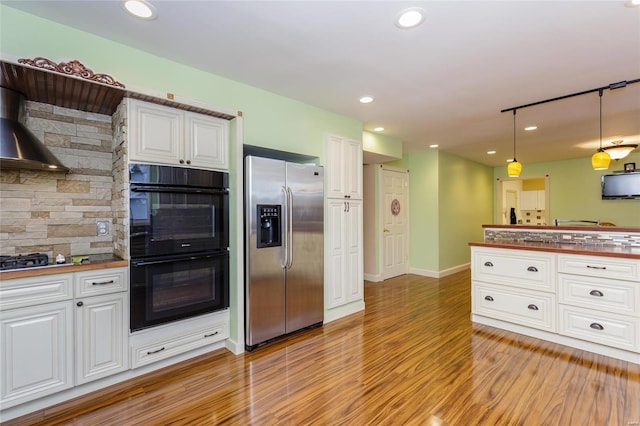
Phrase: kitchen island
(577,286)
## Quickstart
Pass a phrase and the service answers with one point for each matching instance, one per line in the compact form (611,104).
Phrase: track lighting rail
(611,86)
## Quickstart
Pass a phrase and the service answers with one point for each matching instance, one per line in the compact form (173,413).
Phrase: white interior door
(395,222)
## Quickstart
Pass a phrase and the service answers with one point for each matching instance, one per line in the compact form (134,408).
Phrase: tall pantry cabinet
(344,283)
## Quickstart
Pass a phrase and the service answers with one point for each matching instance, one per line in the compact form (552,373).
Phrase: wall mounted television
(621,186)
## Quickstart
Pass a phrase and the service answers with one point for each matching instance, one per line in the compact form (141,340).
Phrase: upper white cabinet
(344,168)
(165,135)
(532,200)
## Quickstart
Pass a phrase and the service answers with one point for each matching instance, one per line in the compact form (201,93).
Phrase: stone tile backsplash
(56,213)
(565,237)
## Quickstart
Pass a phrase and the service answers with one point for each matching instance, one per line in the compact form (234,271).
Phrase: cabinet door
(155,133)
(345,260)
(337,252)
(344,168)
(207,139)
(37,352)
(354,280)
(102,336)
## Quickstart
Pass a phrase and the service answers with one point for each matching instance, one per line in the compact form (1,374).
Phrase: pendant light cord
(514,135)
(600,94)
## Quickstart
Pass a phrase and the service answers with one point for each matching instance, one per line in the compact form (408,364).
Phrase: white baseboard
(440,274)
(374,278)
(233,347)
(343,311)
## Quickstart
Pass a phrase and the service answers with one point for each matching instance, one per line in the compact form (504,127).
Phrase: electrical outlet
(103,227)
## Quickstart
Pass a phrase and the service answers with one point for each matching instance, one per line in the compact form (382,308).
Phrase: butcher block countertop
(100,263)
(591,250)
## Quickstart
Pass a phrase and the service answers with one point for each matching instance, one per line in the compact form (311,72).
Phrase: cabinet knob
(489,298)
(597,293)
(489,264)
(532,307)
(188,161)
(79,304)
(181,161)
(596,326)
(532,269)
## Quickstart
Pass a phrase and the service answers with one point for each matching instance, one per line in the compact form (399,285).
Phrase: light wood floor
(413,358)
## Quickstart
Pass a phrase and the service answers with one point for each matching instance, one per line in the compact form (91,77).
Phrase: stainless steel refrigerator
(284,248)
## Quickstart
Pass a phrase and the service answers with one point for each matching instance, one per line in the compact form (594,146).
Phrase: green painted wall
(381,144)
(574,191)
(465,203)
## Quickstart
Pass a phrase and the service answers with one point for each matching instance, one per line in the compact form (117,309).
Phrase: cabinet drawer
(104,281)
(605,328)
(520,268)
(602,294)
(528,308)
(600,266)
(31,291)
(160,349)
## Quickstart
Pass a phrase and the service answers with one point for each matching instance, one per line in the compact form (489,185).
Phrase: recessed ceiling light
(530,128)
(366,99)
(378,129)
(140,9)
(510,160)
(491,152)
(409,18)
(435,145)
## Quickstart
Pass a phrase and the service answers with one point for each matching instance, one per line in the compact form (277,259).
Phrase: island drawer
(618,331)
(600,266)
(520,268)
(602,294)
(528,308)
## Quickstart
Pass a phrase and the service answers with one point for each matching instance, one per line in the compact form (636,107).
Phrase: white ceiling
(443,82)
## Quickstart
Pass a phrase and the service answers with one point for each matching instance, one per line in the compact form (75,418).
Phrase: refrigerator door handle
(290,228)
(285,219)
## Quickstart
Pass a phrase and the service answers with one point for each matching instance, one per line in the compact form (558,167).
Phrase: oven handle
(179,190)
(172,259)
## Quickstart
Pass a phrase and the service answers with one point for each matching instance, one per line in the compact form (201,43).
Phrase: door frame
(380,207)
(500,192)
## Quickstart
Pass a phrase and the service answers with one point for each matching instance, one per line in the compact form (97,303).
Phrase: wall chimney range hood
(19,148)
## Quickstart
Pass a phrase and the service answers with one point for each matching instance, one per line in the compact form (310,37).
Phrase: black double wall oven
(179,243)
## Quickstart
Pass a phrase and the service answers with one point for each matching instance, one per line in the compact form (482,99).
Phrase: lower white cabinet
(590,302)
(45,331)
(37,352)
(345,279)
(101,336)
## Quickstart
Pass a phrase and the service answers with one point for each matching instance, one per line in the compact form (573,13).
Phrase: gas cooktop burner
(27,261)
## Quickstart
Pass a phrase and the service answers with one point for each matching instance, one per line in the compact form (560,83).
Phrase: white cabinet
(532,200)
(165,135)
(345,260)
(516,286)
(600,300)
(344,270)
(102,324)
(45,331)
(344,168)
(37,338)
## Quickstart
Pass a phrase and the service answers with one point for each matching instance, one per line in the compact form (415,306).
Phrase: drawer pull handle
(489,298)
(597,293)
(532,269)
(532,307)
(210,335)
(489,264)
(596,326)
(156,351)
(103,282)
(597,267)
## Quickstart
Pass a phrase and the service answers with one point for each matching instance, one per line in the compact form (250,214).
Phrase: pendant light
(601,159)
(514,168)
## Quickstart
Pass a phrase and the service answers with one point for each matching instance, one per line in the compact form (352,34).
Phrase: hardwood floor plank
(413,358)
